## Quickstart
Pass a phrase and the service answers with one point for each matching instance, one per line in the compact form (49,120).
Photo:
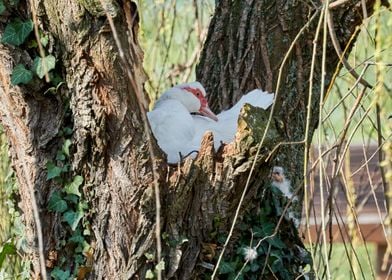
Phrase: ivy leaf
(56,203)
(17,31)
(8,249)
(226,267)
(149,256)
(59,274)
(14,2)
(53,170)
(67,131)
(20,75)
(72,198)
(149,274)
(77,237)
(65,148)
(73,218)
(277,265)
(254,267)
(2,7)
(42,65)
(160,265)
(32,44)
(60,156)
(73,187)
(44,40)
(276,242)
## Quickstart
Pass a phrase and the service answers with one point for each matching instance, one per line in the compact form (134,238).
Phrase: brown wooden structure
(366,220)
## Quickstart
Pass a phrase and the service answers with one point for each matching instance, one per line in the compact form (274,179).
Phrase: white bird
(280,181)
(225,128)
(179,132)
(172,123)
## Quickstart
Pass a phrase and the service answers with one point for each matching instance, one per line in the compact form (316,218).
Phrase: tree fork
(243,50)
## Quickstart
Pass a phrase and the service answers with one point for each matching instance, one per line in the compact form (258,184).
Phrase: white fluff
(250,254)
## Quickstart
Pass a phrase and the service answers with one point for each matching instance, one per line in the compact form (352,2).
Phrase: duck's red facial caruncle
(204,108)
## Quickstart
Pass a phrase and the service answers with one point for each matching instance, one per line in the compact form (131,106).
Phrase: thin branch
(337,3)
(307,129)
(339,52)
(321,104)
(347,94)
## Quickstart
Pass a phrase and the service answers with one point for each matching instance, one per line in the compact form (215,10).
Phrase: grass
(340,267)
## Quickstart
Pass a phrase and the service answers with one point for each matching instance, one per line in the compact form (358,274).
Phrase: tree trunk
(243,50)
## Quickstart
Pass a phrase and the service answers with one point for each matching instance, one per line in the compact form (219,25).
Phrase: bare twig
(339,52)
(337,3)
(307,129)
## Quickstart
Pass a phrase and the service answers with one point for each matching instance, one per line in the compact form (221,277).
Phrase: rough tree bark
(244,49)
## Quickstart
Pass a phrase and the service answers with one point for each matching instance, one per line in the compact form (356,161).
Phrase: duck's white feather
(172,126)
(225,129)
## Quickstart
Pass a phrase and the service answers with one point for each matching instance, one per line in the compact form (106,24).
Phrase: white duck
(179,132)
(171,122)
(224,130)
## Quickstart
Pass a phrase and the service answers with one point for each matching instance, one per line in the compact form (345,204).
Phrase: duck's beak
(205,111)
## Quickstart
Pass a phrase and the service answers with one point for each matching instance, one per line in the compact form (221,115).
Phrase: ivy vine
(18,32)
(69,203)
(259,250)
(73,252)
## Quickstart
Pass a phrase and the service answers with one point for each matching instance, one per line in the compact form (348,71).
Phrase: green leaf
(56,203)
(53,170)
(2,7)
(65,148)
(149,274)
(32,44)
(59,274)
(73,187)
(83,205)
(254,267)
(14,2)
(44,40)
(276,242)
(73,218)
(65,168)
(72,198)
(77,237)
(17,31)
(67,131)
(8,249)
(160,265)
(149,256)
(57,81)
(20,75)
(226,267)
(60,156)
(79,259)
(43,65)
